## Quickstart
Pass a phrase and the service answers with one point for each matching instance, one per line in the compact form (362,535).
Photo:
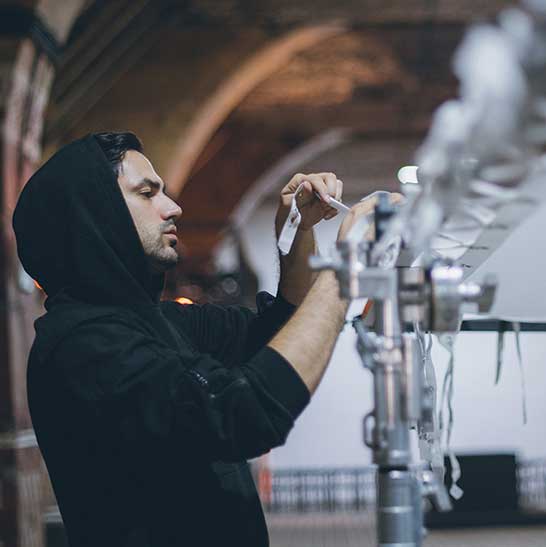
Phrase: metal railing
(531,476)
(354,489)
(322,490)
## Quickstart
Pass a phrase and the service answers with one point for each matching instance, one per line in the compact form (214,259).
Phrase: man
(146,411)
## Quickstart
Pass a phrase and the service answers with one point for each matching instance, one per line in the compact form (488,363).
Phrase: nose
(171,209)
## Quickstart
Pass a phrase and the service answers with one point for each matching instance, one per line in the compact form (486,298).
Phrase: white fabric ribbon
(291,225)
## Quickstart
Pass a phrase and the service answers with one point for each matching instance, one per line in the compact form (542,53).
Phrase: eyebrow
(148,182)
(154,184)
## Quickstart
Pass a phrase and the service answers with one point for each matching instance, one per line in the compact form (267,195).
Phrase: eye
(148,194)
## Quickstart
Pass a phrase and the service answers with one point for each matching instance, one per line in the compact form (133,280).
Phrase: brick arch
(189,173)
(377,89)
(217,108)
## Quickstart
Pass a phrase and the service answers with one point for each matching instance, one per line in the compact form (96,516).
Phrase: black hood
(75,235)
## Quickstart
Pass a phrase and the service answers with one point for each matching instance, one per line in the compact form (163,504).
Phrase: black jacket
(145,411)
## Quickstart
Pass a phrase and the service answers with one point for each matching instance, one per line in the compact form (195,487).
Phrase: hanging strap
(517,331)
(500,350)
(291,225)
(448,342)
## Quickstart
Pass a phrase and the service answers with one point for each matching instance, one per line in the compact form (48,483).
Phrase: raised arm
(307,340)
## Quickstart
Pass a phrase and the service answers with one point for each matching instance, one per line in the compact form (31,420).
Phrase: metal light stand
(433,297)
(486,142)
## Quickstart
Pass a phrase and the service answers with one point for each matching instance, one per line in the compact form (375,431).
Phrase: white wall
(487,418)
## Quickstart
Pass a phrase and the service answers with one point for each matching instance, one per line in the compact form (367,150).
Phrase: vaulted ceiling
(220,91)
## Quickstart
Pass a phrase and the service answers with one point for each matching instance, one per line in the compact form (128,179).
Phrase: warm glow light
(408,174)
(184,301)
(37,285)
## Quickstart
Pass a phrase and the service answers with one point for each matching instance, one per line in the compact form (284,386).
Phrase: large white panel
(487,417)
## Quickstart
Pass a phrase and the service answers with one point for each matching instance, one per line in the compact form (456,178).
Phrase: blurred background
(231,98)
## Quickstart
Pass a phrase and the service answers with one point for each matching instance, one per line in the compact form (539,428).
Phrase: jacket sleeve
(231,334)
(147,391)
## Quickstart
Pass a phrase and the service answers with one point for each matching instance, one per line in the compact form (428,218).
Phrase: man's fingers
(367,204)
(331,183)
(326,185)
(319,186)
(339,189)
(294,183)
(395,197)
(364,207)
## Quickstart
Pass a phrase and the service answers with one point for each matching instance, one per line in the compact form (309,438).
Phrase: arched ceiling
(382,84)
(219,91)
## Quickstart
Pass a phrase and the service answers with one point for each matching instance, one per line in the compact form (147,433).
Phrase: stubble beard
(161,256)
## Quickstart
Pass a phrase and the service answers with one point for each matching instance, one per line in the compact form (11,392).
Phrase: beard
(160,252)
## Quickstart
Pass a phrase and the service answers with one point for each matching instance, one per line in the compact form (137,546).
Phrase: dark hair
(115,146)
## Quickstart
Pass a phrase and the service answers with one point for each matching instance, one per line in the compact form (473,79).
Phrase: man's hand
(308,339)
(296,277)
(312,208)
(362,208)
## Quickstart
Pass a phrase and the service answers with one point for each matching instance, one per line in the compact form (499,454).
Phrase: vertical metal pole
(398,491)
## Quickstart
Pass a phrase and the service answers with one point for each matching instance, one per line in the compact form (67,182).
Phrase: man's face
(153,212)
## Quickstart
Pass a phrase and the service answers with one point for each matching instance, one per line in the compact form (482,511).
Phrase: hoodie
(145,411)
